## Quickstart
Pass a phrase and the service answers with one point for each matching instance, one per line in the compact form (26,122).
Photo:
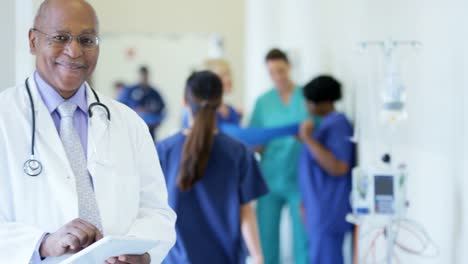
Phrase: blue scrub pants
(268,213)
(326,248)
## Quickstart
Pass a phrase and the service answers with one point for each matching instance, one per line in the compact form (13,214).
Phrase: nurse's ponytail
(203,93)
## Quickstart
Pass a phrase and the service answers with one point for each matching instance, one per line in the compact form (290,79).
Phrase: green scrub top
(280,157)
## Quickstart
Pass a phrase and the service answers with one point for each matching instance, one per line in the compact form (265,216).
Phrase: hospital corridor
(234,131)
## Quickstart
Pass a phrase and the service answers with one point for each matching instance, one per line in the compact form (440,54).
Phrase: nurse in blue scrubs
(325,171)
(227,113)
(145,100)
(212,180)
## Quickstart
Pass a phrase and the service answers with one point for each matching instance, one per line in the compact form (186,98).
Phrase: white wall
(7,27)
(15,20)
(25,11)
(225,18)
(432,141)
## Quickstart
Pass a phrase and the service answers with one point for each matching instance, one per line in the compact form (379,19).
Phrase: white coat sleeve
(156,220)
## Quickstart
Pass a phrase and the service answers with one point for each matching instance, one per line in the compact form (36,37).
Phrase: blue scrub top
(325,197)
(233,117)
(208,215)
(149,100)
(254,137)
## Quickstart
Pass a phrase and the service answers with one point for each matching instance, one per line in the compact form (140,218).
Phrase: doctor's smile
(72,65)
(71,70)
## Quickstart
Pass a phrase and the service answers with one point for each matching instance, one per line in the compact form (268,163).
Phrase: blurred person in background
(281,105)
(226,112)
(119,87)
(325,167)
(212,181)
(145,100)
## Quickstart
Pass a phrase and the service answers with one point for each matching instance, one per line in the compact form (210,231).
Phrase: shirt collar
(52,98)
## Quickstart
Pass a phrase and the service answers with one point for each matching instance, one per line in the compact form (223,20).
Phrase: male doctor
(100,173)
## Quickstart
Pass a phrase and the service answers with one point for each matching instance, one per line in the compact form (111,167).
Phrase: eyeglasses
(60,40)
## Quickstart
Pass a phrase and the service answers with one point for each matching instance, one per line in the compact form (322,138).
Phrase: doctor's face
(65,65)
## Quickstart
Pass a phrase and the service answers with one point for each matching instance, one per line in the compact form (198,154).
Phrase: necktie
(87,205)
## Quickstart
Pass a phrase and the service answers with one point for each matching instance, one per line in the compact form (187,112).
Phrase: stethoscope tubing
(32,166)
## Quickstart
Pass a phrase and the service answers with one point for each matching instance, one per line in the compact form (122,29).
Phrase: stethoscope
(32,166)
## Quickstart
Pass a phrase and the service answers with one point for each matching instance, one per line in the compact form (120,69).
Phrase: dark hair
(322,88)
(203,93)
(276,54)
(143,70)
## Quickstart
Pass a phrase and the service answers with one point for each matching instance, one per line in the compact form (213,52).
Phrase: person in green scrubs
(282,105)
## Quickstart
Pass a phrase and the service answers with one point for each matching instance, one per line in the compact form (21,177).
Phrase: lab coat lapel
(99,165)
(98,138)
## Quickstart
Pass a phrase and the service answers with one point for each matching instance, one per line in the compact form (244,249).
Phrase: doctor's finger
(93,233)
(85,224)
(132,259)
(71,242)
(83,236)
(114,260)
(89,228)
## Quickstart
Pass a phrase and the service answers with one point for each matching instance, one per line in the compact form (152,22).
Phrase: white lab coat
(128,182)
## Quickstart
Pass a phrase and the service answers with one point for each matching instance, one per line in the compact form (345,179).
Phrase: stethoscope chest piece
(32,167)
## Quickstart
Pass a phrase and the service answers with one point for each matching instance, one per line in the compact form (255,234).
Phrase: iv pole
(389,47)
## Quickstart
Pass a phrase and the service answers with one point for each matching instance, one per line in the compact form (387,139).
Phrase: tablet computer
(110,246)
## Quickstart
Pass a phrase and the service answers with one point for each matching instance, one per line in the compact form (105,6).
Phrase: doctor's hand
(70,238)
(130,259)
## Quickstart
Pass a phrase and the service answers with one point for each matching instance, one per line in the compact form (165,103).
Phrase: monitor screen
(383,185)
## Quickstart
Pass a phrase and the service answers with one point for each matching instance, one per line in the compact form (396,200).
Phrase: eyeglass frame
(52,41)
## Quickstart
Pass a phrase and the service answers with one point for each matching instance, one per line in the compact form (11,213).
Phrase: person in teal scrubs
(282,105)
